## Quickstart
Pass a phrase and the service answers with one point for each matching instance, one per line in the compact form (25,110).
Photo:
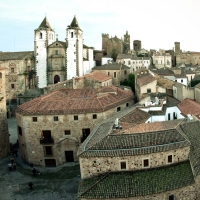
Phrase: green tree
(114,54)
(130,82)
(194,82)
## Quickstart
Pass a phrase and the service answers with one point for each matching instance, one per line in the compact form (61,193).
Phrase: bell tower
(44,36)
(4,135)
(127,39)
(74,52)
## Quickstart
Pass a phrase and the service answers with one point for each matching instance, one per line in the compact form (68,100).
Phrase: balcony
(46,140)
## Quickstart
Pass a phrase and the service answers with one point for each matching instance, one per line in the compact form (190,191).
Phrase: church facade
(56,60)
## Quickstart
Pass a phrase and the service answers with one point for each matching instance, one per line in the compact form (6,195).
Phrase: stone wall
(197,94)
(29,142)
(92,166)
(185,193)
(4,135)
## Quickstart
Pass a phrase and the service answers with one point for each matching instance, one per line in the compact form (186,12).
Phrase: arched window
(56,79)
(40,35)
(0,75)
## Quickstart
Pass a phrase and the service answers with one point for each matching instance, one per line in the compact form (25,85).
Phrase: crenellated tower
(74,52)
(105,38)
(4,134)
(43,37)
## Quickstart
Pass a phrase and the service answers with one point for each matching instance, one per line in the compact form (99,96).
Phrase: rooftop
(146,79)
(137,183)
(69,101)
(96,75)
(15,55)
(111,66)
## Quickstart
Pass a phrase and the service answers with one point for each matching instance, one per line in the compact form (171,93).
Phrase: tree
(114,54)
(130,82)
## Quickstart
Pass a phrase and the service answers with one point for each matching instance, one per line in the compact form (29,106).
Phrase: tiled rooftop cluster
(137,183)
(97,76)
(76,101)
(144,80)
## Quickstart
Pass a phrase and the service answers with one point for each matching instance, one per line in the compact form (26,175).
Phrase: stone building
(137,45)
(4,135)
(145,83)
(147,161)
(118,71)
(51,127)
(162,59)
(188,58)
(114,43)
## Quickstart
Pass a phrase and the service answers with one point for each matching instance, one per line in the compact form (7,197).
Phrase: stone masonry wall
(4,135)
(185,193)
(92,166)
(29,142)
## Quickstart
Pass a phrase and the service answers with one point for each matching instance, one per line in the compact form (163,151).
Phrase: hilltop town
(128,116)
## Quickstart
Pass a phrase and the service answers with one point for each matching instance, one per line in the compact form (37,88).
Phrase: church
(56,60)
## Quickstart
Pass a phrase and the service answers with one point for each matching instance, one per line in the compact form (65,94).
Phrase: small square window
(67,132)
(12,86)
(149,90)
(34,119)
(169,159)
(12,70)
(146,162)
(55,118)
(123,165)
(127,104)
(94,116)
(75,117)
(171,197)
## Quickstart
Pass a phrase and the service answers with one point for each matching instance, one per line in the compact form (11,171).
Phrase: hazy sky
(157,23)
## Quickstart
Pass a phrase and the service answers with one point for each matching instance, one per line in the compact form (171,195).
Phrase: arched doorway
(56,79)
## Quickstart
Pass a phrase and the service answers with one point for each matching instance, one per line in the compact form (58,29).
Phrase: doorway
(56,79)
(69,155)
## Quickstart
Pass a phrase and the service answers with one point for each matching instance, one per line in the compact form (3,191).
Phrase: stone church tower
(74,52)
(44,36)
(4,135)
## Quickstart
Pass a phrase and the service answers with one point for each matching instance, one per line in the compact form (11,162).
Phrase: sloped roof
(45,24)
(189,106)
(124,56)
(15,55)
(60,42)
(111,66)
(69,101)
(74,24)
(129,184)
(96,75)
(146,79)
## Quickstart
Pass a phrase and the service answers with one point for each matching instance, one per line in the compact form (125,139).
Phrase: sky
(158,24)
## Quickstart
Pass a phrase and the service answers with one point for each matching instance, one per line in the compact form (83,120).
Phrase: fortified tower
(137,45)
(177,47)
(44,36)
(4,135)
(105,38)
(74,53)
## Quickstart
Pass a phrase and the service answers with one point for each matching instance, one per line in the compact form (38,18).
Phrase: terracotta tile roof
(66,101)
(96,75)
(154,126)
(163,71)
(189,106)
(111,66)
(15,55)
(146,79)
(129,184)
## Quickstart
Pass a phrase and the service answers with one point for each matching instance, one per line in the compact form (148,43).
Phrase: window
(108,73)
(127,104)
(146,163)
(123,165)
(12,70)
(55,118)
(149,90)
(181,80)
(56,52)
(72,34)
(67,132)
(34,119)
(118,109)
(171,197)
(12,86)
(125,72)
(169,159)
(168,116)
(74,60)
(19,130)
(0,75)
(115,75)
(129,62)
(48,151)
(40,35)
(75,117)
(94,116)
